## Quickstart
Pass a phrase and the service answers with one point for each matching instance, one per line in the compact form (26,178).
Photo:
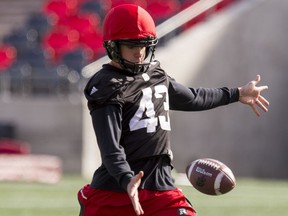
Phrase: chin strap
(133,67)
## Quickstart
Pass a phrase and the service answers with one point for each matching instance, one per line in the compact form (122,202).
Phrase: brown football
(210,176)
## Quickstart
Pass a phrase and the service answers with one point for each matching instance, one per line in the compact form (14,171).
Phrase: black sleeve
(107,125)
(197,99)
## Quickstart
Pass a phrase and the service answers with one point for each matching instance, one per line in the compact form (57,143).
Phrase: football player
(129,101)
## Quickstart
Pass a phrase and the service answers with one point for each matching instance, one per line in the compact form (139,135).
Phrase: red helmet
(128,21)
(131,25)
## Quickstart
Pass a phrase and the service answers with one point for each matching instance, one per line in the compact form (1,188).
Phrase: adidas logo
(93,90)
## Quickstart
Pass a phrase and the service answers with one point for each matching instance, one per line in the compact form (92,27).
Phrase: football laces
(210,163)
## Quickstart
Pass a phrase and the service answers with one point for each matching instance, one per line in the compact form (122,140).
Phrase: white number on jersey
(146,106)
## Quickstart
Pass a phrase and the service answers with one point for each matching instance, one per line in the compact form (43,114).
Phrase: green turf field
(250,197)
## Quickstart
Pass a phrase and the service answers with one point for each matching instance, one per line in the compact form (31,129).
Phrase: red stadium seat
(57,9)
(93,45)
(115,3)
(83,23)
(8,55)
(161,10)
(99,7)
(187,3)
(142,3)
(60,41)
(223,4)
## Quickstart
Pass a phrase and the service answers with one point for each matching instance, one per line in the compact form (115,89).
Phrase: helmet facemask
(114,53)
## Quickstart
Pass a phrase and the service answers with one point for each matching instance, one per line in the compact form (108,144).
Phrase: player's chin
(138,61)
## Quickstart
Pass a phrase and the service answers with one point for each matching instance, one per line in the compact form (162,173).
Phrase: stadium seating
(7,56)
(60,41)
(160,10)
(68,33)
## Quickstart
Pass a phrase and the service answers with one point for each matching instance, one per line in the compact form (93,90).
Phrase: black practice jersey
(130,115)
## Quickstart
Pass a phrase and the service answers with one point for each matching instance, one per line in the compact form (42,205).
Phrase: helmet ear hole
(113,44)
(114,50)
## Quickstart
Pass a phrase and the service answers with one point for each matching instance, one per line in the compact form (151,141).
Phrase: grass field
(250,197)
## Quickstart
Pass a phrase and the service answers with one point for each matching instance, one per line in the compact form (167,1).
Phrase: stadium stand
(161,9)
(7,56)
(57,34)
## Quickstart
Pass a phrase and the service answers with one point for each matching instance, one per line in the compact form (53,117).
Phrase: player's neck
(115,64)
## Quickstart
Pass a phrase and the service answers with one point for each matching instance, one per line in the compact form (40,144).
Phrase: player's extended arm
(132,190)
(250,94)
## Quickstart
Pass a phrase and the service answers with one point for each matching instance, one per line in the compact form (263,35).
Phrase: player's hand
(132,190)
(250,94)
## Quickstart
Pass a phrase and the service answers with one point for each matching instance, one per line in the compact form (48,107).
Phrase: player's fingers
(258,78)
(136,205)
(140,174)
(140,210)
(264,108)
(255,110)
(261,88)
(263,100)
(133,185)
(256,81)
(134,193)
(136,180)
